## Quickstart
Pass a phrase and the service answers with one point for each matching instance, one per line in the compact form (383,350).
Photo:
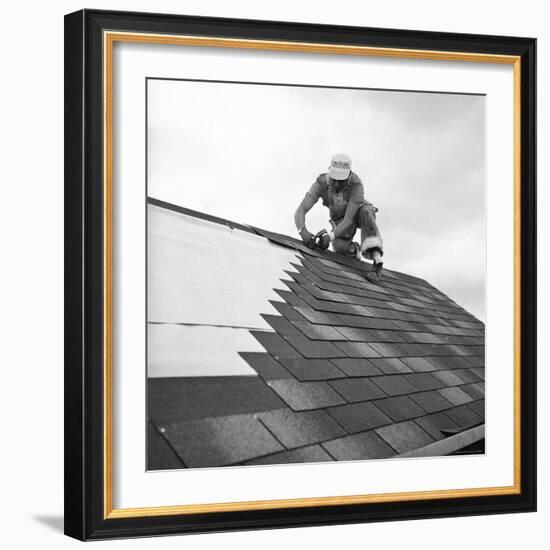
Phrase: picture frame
(90,291)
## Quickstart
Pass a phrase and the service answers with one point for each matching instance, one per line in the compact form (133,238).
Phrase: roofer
(342,192)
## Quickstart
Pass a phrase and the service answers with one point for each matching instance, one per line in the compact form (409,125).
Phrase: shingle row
(349,432)
(401,296)
(377,294)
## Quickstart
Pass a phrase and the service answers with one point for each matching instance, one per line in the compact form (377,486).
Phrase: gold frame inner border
(109,39)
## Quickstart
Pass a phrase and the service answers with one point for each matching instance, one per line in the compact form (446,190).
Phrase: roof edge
(278,238)
(449,444)
(200,215)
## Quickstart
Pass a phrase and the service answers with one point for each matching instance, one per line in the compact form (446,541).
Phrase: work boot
(377,263)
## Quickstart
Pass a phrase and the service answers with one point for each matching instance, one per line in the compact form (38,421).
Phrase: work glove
(323,239)
(308,238)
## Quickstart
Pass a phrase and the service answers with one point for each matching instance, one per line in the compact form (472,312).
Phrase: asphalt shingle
(455,395)
(464,416)
(359,416)
(281,325)
(356,349)
(479,371)
(400,408)
(441,363)
(290,298)
(311,369)
(275,344)
(447,378)
(466,375)
(220,441)
(361,446)
(477,361)
(392,336)
(319,332)
(418,364)
(390,365)
(356,367)
(417,350)
(394,384)
(388,349)
(357,389)
(436,424)
(478,407)
(354,334)
(315,316)
(365,322)
(171,400)
(264,364)
(405,436)
(299,429)
(301,396)
(314,348)
(160,456)
(287,310)
(431,401)
(456,361)
(475,391)
(424,381)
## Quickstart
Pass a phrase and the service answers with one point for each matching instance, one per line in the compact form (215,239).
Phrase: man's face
(340,182)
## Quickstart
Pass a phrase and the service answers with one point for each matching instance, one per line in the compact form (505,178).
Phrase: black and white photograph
(300,275)
(316,273)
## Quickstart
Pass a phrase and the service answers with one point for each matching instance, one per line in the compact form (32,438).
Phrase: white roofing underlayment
(207,285)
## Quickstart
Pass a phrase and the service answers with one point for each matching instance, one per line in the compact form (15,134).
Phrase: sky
(248,153)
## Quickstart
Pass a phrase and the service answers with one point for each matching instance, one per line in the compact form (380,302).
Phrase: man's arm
(309,200)
(300,219)
(305,206)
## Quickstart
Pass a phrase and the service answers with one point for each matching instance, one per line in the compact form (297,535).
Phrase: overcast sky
(248,153)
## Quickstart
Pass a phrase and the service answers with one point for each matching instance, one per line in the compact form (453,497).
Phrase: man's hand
(323,239)
(308,238)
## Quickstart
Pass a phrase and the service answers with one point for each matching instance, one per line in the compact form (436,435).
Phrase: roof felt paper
(344,367)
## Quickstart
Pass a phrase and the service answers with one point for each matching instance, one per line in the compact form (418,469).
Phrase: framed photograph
(300,274)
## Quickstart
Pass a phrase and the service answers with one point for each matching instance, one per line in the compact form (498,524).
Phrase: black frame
(84,274)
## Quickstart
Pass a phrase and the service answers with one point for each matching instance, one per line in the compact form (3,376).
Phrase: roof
(342,367)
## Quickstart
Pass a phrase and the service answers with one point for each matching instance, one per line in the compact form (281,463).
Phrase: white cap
(340,167)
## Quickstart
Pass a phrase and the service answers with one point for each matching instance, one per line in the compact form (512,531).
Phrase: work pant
(370,235)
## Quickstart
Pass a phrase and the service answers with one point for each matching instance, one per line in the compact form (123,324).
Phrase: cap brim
(339,173)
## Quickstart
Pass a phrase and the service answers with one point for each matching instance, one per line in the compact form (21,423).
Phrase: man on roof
(343,194)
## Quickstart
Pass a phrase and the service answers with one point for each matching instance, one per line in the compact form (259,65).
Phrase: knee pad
(372,242)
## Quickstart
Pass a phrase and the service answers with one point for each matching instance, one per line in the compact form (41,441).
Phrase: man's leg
(345,247)
(371,242)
